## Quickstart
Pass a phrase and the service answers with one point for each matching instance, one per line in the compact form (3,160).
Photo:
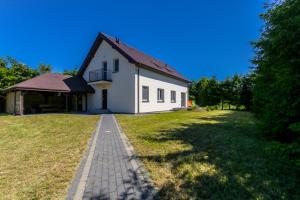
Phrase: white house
(113,77)
(128,81)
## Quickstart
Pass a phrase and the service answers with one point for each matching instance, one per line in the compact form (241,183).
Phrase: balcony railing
(100,75)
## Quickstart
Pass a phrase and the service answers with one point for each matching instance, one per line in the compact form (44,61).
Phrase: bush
(286,151)
(211,108)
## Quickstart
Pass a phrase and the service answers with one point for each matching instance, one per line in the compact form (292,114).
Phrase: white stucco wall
(121,93)
(154,81)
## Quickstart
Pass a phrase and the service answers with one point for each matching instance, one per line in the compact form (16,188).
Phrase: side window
(173,96)
(145,94)
(116,65)
(160,95)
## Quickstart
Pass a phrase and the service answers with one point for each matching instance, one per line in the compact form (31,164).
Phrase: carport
(48,93)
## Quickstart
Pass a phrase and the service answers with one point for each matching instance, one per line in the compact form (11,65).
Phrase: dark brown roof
(133,55)
(54,83)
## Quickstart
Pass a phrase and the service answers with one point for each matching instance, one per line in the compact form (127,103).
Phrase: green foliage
(208,92)
(12,72)
(43,69)
(236,91)
(72,72)
(287,151)
(277,85)
(211,108)
(193,90)
(295,127)
(246,91)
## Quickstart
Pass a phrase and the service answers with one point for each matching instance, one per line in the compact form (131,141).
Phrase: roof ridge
(136,49)
(133,55)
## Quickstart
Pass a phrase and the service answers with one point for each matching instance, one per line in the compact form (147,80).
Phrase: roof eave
(161,72)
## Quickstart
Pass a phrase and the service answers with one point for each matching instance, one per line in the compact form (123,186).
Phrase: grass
(210,155)
(39,153)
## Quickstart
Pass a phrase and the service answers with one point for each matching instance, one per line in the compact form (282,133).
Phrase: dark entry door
(183,100)
(104,99)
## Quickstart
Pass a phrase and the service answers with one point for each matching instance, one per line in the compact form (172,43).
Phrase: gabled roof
(133,55)
(54,83)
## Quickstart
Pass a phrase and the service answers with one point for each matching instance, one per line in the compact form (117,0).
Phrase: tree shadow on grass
(226,160)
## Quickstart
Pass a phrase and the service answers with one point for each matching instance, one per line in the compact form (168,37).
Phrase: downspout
(138,95)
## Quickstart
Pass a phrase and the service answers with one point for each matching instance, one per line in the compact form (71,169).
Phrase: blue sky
(198,37)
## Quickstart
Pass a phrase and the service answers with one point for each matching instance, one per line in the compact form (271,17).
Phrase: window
(104,65)
(160,95)
(116,65)
(145,94)
(173,96)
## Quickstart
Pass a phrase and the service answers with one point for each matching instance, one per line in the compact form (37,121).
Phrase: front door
(104,99)
(183,100)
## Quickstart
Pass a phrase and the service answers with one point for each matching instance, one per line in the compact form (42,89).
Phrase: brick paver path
(114,172)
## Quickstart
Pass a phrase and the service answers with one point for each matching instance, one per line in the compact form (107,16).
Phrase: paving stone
(111,175)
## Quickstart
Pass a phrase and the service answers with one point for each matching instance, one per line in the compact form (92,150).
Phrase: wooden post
(67,102)
(15,103)
(76,102)
(86,103)
(21,103)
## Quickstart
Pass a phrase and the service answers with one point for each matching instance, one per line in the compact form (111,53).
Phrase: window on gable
(160,95)
(173,96)
(116,65)
(145,94)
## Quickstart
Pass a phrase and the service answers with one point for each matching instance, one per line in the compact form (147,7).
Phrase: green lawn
(210,155)
(39,153)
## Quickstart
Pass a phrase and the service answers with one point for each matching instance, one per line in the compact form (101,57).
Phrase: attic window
(116,65)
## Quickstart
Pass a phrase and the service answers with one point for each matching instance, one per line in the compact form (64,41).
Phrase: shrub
(286,151)
(211,108)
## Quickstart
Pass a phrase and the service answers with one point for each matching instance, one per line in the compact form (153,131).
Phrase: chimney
(117,40)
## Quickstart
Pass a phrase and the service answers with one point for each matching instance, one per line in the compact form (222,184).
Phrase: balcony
(100,77)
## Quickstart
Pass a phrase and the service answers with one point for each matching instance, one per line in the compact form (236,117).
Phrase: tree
(246,93)
(207,92)
(72,72)
(43,68)
(277,61)
(3,63)
(226,91)
(15,73)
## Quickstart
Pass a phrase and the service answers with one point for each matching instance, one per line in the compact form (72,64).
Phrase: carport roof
(54,83)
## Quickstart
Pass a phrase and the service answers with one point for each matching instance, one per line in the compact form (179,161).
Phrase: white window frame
(160,95)
(173,100)
(146,100)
